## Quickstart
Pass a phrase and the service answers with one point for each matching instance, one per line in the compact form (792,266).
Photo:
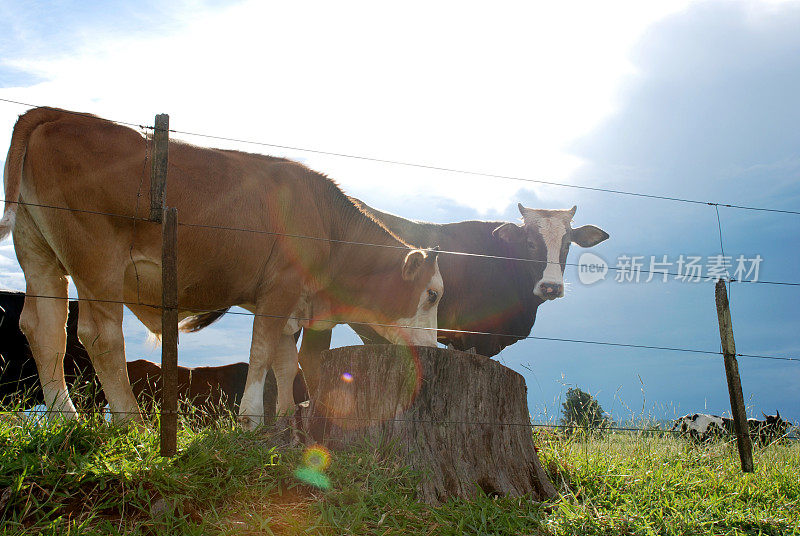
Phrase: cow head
(775,421)
(396,299)
(427,306)
(546,235)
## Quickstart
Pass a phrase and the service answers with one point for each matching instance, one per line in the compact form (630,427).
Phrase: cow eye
(432,296)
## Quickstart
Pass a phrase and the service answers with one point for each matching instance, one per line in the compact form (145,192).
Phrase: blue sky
(692,100)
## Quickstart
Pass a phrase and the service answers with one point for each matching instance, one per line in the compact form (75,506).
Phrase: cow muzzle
(408,336)
(549,290)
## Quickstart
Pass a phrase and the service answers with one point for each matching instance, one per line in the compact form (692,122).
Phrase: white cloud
(500,90)
(12,280)
(11,276)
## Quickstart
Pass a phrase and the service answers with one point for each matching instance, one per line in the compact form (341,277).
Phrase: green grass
(92,477)
(624,484)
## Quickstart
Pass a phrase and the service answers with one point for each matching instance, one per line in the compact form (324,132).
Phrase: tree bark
(461,419)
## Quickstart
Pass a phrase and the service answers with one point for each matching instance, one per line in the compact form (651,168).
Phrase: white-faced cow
(498,297)
(98,170)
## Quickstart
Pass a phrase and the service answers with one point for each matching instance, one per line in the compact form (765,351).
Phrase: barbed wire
(676,276)
(433,167)
(203,413)
(447,330)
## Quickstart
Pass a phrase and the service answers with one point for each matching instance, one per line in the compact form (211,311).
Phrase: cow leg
(270,347)
(314,343)
(100,331)
(280,353)
(284,365)
(44,319)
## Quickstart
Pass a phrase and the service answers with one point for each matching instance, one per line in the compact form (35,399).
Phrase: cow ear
(777,414)
(433,252)
(509,232)
(412,264)
(588,236)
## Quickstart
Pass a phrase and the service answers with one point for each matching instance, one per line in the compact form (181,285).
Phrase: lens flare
(317,458)
(312,478)
(347,377)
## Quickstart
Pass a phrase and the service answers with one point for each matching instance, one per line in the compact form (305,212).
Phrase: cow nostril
(551,290)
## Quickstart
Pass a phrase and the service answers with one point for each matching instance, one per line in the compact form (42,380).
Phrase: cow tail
(198,322)
(12,172)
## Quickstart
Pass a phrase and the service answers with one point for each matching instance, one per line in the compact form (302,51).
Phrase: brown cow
(98,169)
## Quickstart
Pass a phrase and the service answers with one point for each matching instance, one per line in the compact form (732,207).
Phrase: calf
(287,280)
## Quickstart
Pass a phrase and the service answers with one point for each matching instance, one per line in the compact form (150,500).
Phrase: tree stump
(461,419)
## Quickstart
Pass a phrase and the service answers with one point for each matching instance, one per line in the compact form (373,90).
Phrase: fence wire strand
(202,413)
(447,330)
(676,276)
(436,168)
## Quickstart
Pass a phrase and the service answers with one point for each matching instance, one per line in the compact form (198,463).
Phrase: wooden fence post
(168,217)
(732,374)
(158,174)
(169,334)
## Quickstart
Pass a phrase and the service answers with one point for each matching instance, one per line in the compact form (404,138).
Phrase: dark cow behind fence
(209,388)
(498,296)
(772,428)
(702,427)
(18,374)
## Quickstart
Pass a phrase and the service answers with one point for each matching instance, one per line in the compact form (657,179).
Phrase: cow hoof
(284,422)
(248,423)
(129,421)
(286,430)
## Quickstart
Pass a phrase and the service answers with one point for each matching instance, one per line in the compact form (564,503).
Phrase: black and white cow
(702,427)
